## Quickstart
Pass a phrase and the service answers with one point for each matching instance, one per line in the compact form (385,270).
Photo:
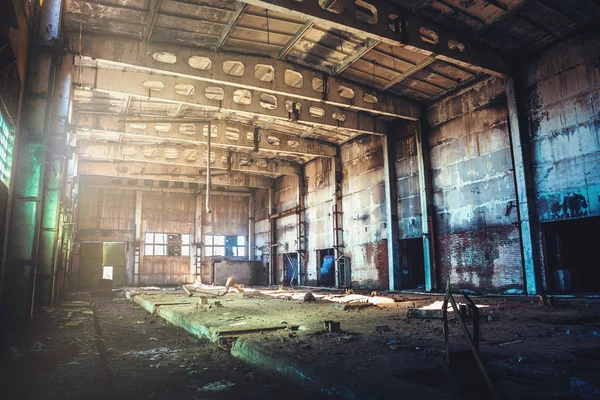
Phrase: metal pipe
(208,210)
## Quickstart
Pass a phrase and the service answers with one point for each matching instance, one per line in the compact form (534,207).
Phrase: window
(238,245)
(7,139)
(167,244)
(221,245)
(214,245)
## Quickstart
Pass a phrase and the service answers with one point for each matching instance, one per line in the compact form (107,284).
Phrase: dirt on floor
(529,350)
(109,348)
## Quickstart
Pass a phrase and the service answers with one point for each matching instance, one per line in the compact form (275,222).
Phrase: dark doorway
(413,264)
(291,269)
(571,251)
(326,268)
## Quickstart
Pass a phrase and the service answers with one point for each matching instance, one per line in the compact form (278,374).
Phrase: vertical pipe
(54,180)
(208,211)
(198,238)
(30,155)
(523,180)
(272,236)
(391,208)
(425,195)
(251,228)
(138,242)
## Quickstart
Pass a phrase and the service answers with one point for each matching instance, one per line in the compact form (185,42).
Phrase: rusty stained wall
(363,207)
(286,197)
(106,215)
(261,231)
(166,212)
(318,206)
(229,216)
(477,239)
(407,182)
(563,103)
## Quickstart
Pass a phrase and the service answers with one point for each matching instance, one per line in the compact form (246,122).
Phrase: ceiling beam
(141,56)
(170,173)
(403,75)
(153,9)
(475,55)
(228,134)
(227,98)
(294,39)
(190,155)
(351,59)
(233,19)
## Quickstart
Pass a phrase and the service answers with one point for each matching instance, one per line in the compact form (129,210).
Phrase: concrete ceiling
(363,63)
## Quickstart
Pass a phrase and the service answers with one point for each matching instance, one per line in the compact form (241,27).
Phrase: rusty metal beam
(175,60)
(190,155)
(228,134)
(205,95)
(163,172)
(412,32)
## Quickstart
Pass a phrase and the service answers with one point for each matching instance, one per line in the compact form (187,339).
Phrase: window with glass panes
(167,244)
(224,245)
(7,139)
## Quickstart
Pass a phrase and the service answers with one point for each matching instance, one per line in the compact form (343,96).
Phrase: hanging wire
(393,58)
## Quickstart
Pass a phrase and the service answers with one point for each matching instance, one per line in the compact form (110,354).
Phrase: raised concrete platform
(232,315)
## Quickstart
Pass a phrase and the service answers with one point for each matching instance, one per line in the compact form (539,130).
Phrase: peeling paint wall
(229,216)
(363,207)
(563,103)
(319,220)
(407,184)
(106,215)
(473,185)
(286,198)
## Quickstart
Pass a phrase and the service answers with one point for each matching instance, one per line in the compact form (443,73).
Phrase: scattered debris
(382,328)
(347,338)
(509,343)
(309,297)
(217,386)
(332,326)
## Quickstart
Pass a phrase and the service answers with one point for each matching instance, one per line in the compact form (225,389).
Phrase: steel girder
(263,74)
(224,134)
(388,23)
(170,173)
(190,155)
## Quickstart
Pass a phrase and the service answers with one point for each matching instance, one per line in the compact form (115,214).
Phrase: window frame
(165,244)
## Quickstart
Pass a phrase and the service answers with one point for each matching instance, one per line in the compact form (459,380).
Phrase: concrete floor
(111,348)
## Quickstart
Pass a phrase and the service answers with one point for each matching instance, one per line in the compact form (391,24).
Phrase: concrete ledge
(250,352)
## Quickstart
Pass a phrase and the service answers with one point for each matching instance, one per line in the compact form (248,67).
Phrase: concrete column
(251,228)
(198,237)
(391,209)
(30,154)
(56,155)
(272,236)
(425,192)
(525,195)
(300,229)
(138,242)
